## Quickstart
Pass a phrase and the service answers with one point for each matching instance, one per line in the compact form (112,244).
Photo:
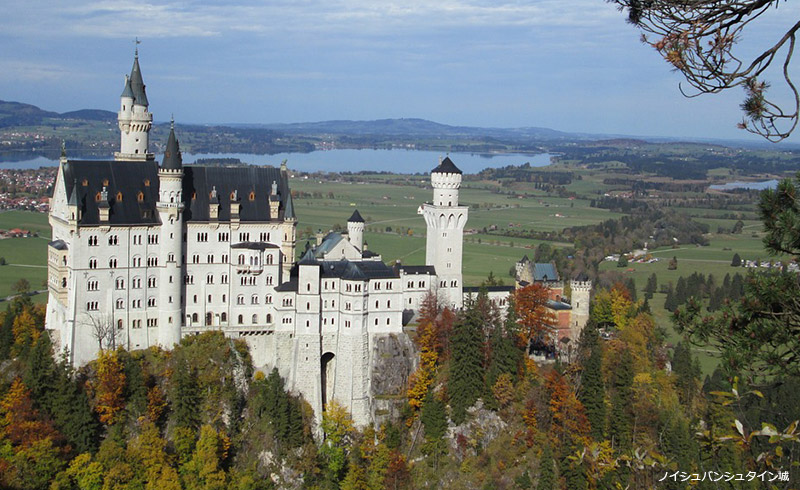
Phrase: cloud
(29,71)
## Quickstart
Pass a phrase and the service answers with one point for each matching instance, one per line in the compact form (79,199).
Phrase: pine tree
(592,393)
(466,382)
(736,261)
(620,422)
(547,474)
(670,303)
(651,287)
(185,396)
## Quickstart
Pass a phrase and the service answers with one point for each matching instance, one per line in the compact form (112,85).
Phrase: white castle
(143,255)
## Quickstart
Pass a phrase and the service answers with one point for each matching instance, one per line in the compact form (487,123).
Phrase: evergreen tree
(186,397)
(466,382)
(40,373)
(687,376)
(630,284)
(621,417)
(670,303)
(592,393)
(651,287)
(681,292)
(434,419)
(72,412)
(547,474)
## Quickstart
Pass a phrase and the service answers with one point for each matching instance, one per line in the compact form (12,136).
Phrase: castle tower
(446,220)
(170,211)
(581,288)
(133,118)
(355,230)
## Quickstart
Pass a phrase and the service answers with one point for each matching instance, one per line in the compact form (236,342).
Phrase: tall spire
(172,155)
(136,81)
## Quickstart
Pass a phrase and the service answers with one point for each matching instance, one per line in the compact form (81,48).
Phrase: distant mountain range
(19,114)
(14,114)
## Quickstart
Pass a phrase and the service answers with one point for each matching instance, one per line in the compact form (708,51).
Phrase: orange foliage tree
(533,315)
(567,412)
(109,387)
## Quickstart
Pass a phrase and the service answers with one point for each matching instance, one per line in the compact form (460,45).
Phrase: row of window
(135,262)
(240,300)
(152,239)
(223,318)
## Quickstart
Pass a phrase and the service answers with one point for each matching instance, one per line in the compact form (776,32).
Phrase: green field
(26,257)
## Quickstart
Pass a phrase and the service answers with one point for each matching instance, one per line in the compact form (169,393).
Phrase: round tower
(170,211)
(445,220)
(134,119)
(355,230)
(581,288)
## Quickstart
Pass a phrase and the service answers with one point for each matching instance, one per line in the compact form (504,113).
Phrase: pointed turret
(172,155)
(355,230)
(137,83)
(134,119)
(355,217)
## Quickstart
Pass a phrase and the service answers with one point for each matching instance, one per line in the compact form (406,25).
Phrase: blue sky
(570,65)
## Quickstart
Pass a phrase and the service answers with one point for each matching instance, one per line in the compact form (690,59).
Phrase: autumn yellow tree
(109,387)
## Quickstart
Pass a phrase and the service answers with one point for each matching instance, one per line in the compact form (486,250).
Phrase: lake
(758,186)
(398,161)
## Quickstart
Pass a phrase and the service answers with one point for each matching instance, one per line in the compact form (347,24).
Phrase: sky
(569,65)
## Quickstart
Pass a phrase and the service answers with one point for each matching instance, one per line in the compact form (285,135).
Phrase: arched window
(119,324)
(194,317)
(241,319)
(269,318)
(223,317)
(255,319)
(209,318)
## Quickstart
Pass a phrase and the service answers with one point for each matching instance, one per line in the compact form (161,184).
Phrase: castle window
(376,303)
(223,317)
(376,322)
(210,259)
(194,317)
(151,302)
(389,304)
(269,318)
(63,282)
(92,241)
(252,196)
(194,299)
(136,261)
(140,196)
(224,279)
(347,324)
(233,198)
(151,282)
(308,287)
(347,306)
(388,322)
(241,259)
(254,299)
(224,258)
(210,279)
(85,183)
(240,299)
(147,182)
(171,258)
(120,283)
(269,280)
(105,182)
(136,283)
(241,319)
(93,263)
(92,285)
(120,304)
(152,261)
(196,259)
(269,259)
(112,263)
(113,240)
(209,318)
(224,298)
(92,306)
(255,319)
(268,299)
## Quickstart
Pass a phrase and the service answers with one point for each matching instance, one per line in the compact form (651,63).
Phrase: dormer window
(105,182)
(233,195)
(147,182)
(252,195)
(98,197)
(119,196)
(140,196)
(85,182)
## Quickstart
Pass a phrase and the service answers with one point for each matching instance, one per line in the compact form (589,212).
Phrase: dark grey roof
(172,154)
(290,285)
(419,269)
(489,289)
(544,272)
(350,270)
(446,167)
(198,183)
(355,218)
(558,305)
(127,92)
(254,245)
(137,84)
(58,244)
(84,180)
(366,254)
(582,277)
(525,259)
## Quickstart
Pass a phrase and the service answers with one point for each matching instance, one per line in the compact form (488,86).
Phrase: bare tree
(103,328)
(699,39)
